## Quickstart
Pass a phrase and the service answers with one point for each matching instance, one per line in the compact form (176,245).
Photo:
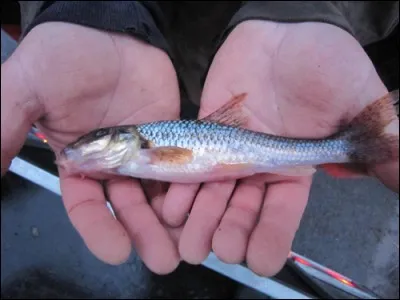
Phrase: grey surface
(7,45)
(352,226)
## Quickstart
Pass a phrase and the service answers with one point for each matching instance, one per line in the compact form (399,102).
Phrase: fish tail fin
(373,137)
(371,133)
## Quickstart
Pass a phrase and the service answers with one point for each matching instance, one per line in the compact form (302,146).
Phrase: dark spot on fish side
(101,132)
(145,144)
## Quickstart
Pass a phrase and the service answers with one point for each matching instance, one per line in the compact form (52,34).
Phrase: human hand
(69,80)
(302,80)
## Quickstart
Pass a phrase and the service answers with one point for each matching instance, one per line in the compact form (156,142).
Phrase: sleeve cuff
(289,12)
(367,21)
(128,17)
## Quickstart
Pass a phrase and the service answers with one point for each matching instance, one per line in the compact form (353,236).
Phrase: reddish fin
(345,170)
(371,143)
(174,155)
(231,113)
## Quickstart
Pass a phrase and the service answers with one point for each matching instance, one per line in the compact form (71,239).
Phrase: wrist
(124,17)
(19,110)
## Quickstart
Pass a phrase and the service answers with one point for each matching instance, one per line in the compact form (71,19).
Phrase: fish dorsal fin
(231,113)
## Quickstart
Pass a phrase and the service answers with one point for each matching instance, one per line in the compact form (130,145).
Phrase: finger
(231,238)
(155,192)
(204,218)
(177,203)
(19,110)
(157,203)
(272,238)
(388,173)
(150,238)
(86,207)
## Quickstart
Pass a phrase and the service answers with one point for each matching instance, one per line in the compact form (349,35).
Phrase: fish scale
(231,145)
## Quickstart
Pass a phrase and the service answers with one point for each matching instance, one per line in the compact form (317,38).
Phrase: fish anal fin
(294,171)
(232,171)
(234,167)
(231,113)
(171,155)
(248,169)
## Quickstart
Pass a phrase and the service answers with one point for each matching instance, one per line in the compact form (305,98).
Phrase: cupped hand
(302,80)
(68,80)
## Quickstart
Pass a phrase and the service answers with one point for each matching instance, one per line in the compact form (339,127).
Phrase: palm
(112,83)
(302,81)
(304,90)
(83,79)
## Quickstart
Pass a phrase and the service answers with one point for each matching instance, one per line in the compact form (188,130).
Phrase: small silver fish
(218,147)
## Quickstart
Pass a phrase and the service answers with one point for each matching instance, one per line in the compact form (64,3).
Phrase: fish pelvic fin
(231,113)
(374,132)
(295,171)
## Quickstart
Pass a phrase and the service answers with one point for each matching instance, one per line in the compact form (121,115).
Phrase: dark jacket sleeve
(367,21)
(127,17)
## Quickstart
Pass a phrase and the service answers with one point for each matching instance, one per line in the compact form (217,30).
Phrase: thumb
(20,108)
(389,175)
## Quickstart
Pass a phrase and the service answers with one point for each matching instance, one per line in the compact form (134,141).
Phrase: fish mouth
(70,160)
(73,160)
(89,169)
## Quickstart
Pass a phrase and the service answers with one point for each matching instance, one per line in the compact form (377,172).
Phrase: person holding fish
(282,88)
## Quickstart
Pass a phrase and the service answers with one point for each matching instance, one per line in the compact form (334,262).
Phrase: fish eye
(101,132)
(124,130)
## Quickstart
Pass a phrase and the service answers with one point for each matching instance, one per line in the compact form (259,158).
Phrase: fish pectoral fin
(295,171)
(172,155)
(231,113)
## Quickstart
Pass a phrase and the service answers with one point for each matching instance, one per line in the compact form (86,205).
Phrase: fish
(220,147)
